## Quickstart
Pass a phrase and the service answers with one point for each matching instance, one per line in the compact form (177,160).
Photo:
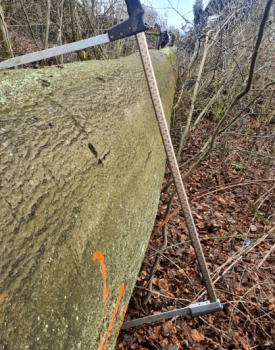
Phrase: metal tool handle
(133,25)
(193,310)
(149,72)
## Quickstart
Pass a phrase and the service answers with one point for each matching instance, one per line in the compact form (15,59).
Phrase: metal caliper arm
(131,26)
(193,310)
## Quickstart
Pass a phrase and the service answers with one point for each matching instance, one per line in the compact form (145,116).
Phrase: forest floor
(238,246)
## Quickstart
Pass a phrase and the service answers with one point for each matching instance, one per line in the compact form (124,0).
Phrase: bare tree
(4,36)
(47,24)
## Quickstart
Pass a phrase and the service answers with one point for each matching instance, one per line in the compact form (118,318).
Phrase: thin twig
(214,238)
(162,295)
(266,256)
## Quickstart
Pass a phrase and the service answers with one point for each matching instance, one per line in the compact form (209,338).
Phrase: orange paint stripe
(121,319)
(3,296)
(101,342)
(113,316)
(100,257)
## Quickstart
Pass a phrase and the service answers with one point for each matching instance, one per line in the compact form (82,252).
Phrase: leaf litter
(239,253)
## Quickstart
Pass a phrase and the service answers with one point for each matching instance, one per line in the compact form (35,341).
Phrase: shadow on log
(82,164)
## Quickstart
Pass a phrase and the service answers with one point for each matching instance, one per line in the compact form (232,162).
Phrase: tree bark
(82,165)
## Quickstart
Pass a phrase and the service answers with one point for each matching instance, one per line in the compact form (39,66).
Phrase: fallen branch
(231,186)
(162,295)
(255,235)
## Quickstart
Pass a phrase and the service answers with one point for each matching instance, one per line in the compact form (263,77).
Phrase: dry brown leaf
(211,319)
(270,307)
(156,281)
(253,228)
(221,200)
(163,284)
(163,342)
(246,347)
(157,331)
(166,329)
(163,291)
(197,336)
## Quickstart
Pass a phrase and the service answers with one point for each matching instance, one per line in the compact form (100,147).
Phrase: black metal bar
(193,310)
(133,25)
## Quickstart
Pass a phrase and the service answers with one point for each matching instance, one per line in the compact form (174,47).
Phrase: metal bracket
(133,25)
(205,308)
(193,310)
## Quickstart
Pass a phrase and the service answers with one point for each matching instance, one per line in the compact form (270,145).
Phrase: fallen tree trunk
(81,169)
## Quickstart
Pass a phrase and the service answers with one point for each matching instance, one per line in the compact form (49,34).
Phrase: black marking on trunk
(92,149)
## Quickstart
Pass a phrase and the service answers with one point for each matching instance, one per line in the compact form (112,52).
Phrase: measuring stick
(152,84)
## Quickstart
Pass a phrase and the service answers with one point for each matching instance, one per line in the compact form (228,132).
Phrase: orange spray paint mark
(101,341)
(3,296)
(121,319)
(113,316)
(100,257)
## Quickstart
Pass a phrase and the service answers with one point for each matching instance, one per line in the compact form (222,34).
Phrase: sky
(184,7)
